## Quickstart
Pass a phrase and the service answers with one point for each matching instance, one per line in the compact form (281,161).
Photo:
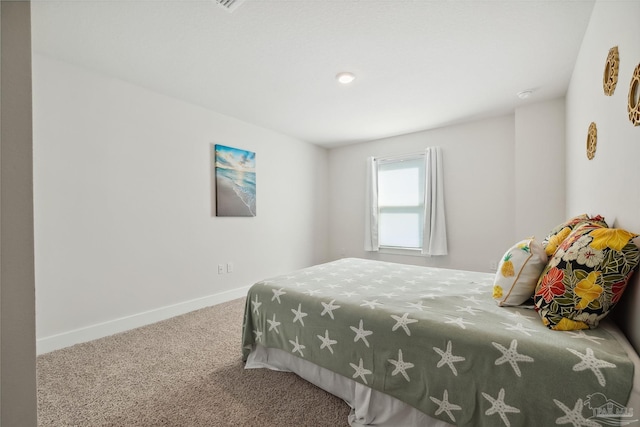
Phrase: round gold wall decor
(610,77)
(634,98)
(592,140)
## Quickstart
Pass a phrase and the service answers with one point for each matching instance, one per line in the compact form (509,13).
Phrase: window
(404,204)
(401,202)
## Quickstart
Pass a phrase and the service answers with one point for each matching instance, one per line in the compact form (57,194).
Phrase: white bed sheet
(369,407)
(372,408)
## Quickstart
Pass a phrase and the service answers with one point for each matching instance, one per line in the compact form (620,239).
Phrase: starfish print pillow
(586,277)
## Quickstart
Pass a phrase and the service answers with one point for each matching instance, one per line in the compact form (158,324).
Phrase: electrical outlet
(220,269)
(229,267)
(493,266)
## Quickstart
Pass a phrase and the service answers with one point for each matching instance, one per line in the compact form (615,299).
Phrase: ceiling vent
(229,5)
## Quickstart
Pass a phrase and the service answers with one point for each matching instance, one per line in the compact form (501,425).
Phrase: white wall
(608,184)
(539,168)
(124,229)
(497,190)
(479,188)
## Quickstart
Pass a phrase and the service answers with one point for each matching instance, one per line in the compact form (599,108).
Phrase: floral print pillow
(586,277)
(561,231)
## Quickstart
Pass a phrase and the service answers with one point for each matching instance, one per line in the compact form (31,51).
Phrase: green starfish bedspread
(435,339)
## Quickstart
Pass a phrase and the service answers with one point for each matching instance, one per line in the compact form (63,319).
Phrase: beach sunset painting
(235,181)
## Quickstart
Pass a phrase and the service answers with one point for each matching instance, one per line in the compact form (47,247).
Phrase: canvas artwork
(235,181)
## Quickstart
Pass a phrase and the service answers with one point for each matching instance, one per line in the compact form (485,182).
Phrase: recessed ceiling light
(525,93)
(345,77)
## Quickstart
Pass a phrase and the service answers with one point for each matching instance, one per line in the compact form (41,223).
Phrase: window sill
(400,251)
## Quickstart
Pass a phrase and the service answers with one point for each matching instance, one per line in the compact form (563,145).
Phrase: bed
(408,345)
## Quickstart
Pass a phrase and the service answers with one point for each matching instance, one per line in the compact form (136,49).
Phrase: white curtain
(371,206)
(434,238)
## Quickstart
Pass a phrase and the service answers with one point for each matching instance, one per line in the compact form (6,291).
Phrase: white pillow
(518,272)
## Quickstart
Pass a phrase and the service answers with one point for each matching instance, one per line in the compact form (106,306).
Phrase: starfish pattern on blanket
(468,309)
(447,358)
(298,314)
(580,334)
(371,304)
(417,305)
(445,406)
(361,333)
(519,316)
(472,299)
(518,327)
(402,322)
(277,293)
(574,416)
(589,361)
(498,406)
(326,341)
(458,321)
(297,347)
(273,324)
(328,308)
(256,306)
(510,355)
(495,347)
(400,366)
(360,371)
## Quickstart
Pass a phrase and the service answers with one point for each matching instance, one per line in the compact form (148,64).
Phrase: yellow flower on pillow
(614,238)
(587,290)
(555,240)
(569,325)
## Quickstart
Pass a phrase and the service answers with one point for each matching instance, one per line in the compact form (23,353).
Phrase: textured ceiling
(419,64)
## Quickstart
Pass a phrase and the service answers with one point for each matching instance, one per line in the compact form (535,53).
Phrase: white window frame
(415,159)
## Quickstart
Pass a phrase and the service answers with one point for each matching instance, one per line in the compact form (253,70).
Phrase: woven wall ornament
(610,77)
(592,141)
(634,98)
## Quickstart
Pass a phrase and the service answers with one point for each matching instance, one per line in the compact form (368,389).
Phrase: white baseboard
(89,333)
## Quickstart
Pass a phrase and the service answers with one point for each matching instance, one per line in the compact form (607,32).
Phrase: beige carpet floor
(184,371)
